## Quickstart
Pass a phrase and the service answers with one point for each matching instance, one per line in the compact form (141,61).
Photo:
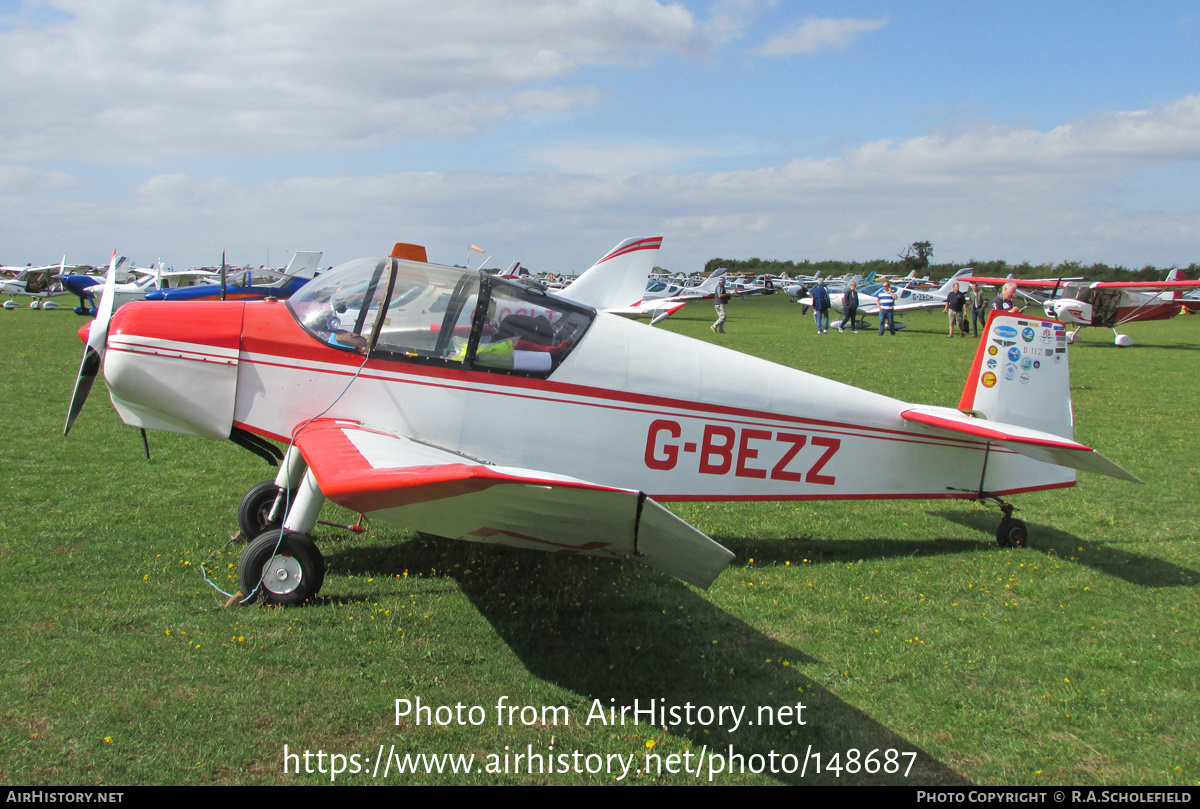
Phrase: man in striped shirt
(887,307)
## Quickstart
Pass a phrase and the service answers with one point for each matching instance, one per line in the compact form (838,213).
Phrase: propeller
(93,352)
(1051,309)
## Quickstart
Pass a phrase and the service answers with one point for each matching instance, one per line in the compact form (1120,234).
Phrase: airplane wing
(440,492)
(1036,444)
(1020,282)
(660,308)
(1147,286)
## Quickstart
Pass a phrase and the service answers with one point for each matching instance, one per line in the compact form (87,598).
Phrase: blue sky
(547,132)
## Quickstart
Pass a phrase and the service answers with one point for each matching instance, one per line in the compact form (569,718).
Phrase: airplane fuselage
(630,407)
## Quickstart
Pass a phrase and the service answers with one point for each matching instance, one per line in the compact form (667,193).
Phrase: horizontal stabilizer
(1040,446)
(446,494)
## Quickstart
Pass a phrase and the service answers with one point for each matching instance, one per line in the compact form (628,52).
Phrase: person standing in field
(979,311)
(955,303)
(887,307)
(720,300)
(850,308)
(821,304)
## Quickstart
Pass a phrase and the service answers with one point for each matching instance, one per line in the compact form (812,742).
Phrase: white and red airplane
(662,303)
(404,390)
(1110,303)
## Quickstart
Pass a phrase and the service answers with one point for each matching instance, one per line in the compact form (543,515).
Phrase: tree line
(1001,269)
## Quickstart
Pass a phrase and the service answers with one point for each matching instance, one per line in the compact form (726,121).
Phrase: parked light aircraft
(87,287)
(39,283)
(421,395)
(617,282)
(660,307)
(907,299)
(299,271)
(1110,303)
(514,271)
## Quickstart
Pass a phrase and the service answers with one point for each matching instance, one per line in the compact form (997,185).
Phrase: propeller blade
(89,366)
(93,352)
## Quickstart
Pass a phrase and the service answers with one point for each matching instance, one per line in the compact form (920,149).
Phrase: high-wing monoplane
(466,406)
(1082,303)
(39,283)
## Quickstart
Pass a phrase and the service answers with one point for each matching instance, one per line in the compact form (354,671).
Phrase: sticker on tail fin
(1020,374)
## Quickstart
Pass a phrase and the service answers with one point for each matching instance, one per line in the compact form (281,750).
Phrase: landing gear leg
(283,565)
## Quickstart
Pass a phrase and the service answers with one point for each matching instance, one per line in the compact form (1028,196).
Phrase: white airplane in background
(39,283)
(88,287)
(907,299)
(435,418)
(659,308)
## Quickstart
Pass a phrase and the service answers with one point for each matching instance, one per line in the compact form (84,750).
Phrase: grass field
(900,626)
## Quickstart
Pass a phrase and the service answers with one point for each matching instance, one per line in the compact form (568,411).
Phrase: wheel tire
(281,567)
(1012,533)
(254,508)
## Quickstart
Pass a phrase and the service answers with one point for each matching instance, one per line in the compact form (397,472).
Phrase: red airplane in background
(1109,303)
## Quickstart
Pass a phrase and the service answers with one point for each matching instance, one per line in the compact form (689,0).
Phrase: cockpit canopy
(411,311)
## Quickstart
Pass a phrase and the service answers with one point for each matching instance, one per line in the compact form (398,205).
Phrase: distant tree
(916,255)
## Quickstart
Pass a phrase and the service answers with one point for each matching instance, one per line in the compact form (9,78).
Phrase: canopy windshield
(416,312)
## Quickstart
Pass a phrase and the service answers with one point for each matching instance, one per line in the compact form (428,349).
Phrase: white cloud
(23,180)
(614,156)
(1068,193)
(821,33)
(168,76)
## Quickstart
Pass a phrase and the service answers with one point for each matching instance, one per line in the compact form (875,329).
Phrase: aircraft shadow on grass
(800,550)
(615,632)
(1145,571)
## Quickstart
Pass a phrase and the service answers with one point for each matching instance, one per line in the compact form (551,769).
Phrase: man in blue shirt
(820,299)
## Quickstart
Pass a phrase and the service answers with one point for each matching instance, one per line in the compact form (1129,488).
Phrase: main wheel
(255,509)
(281,567)
(1012,533)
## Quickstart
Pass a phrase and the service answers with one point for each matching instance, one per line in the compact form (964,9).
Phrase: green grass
(898,625)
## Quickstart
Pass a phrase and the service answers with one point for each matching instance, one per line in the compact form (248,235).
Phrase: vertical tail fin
(1020,375)
(952,280)
(303,264)
(1018,399)
(618,279)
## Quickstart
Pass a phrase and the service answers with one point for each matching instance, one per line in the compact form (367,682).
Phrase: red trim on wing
(348,478)
(1149,286)
(980,429)
(1020,282)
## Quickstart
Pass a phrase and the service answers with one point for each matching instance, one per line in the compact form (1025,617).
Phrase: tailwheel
(1012,533)
(254,512)
(281,567)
